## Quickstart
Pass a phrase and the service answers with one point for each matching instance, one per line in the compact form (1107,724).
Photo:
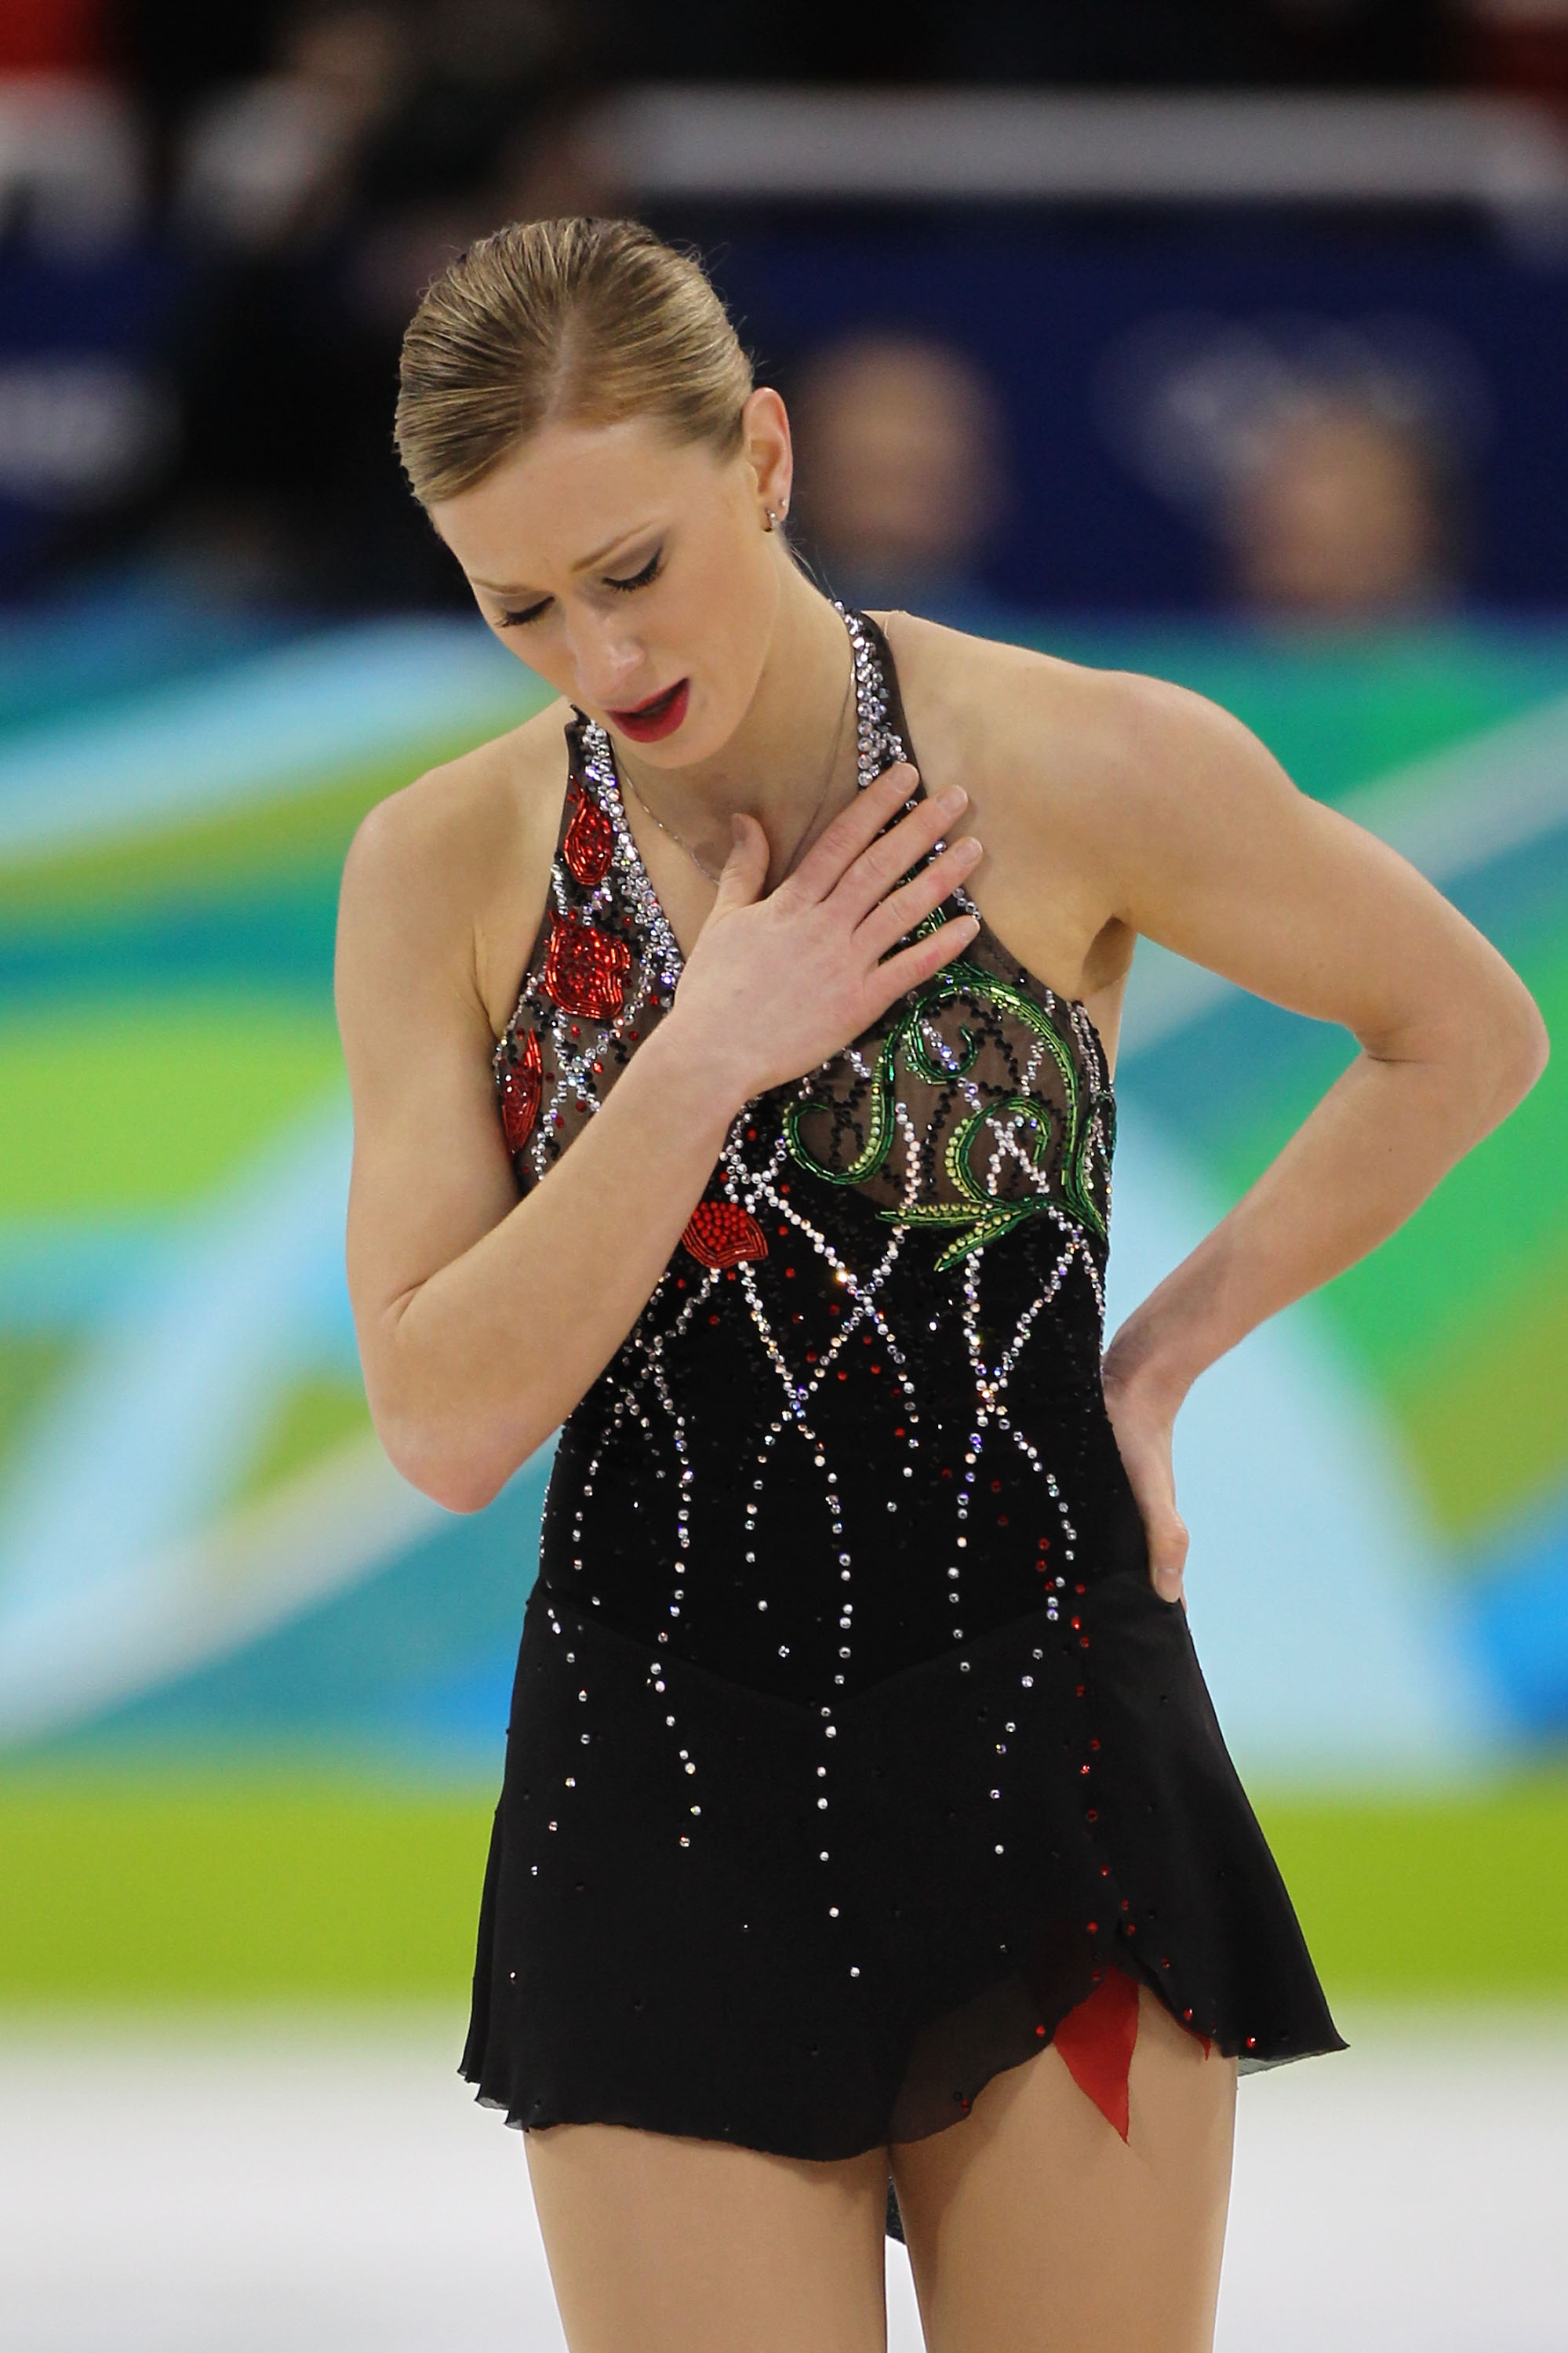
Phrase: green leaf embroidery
(980,1216)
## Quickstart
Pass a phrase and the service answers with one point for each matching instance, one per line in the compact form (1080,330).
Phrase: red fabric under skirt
(1097,2042)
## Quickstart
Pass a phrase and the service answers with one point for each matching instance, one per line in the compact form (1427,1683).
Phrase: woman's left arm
(1210,850)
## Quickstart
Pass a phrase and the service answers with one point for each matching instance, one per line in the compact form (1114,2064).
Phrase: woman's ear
(766,447)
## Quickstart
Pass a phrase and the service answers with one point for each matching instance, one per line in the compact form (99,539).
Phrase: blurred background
(1225,338)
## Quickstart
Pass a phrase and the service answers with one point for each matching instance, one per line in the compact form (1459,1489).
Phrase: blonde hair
(589,320)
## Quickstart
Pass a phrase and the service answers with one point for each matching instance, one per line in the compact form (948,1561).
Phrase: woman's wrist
(709,1086)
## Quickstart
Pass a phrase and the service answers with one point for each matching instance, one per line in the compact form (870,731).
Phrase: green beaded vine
(979,1217)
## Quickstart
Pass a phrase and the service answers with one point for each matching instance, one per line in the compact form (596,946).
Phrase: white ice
(328,2187)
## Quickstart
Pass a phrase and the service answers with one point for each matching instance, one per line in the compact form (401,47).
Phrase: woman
(864,1813)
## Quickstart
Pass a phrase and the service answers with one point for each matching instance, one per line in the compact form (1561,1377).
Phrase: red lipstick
(659,717)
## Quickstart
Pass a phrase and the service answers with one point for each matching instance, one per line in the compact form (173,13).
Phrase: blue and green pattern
(202,1556)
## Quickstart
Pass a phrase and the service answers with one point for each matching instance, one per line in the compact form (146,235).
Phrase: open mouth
(660,715)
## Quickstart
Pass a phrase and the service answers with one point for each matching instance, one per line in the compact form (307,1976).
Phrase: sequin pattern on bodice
(859,1420)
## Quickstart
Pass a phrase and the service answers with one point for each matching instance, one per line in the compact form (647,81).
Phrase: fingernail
(966,849)
(952,799)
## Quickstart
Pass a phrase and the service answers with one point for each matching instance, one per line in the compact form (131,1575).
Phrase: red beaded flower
(585,969)
(590,844)
(521,1085)
(721,1233)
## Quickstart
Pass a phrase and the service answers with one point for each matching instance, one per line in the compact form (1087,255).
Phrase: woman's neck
(791,764)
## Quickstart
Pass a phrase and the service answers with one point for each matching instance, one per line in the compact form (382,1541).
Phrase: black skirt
(655,1950)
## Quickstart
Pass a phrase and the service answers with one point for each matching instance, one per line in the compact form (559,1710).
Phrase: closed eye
(642,579)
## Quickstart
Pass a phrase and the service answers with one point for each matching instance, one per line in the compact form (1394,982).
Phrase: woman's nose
(606,661)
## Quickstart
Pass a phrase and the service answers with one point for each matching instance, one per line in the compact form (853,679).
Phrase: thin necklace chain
(682,844)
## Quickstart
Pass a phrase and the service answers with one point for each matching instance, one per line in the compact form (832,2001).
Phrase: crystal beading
(977,1114)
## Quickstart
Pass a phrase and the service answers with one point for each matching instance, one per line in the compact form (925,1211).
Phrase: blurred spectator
(1342,514)
(269,159)
(485,131)
(899,472)
(72,177)
(172,55)
(221,396)
(1326,457)
(323,194)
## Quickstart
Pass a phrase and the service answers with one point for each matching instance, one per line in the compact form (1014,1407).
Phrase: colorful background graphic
(253,1688)
(1251,318)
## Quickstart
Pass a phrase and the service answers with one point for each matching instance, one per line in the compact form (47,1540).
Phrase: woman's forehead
(574,493)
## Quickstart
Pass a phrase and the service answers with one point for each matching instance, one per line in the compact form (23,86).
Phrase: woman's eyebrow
(638,531)
(584,563)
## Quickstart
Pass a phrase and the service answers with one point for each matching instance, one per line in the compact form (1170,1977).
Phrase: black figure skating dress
(852,1753)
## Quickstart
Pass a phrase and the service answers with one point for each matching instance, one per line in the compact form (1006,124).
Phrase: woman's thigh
(1033,2226)
(662,2245)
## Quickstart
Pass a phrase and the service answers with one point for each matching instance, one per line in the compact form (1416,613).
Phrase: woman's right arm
(482,1319)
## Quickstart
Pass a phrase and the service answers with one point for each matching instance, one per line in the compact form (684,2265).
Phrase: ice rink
(325,2186)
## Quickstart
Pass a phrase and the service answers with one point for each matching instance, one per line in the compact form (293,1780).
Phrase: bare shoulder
(1095,751)
(450,824)
(454,868)
(1105,801)
(1112,805)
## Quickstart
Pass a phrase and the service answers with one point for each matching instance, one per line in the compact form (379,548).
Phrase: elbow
(1537,1045)
(456,1486)
(1521,1049)
(454,1472)
(1487,1050)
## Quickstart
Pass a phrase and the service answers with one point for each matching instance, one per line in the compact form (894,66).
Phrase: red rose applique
(721,1234)
(590,844)
(585,969)
(522,1082)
